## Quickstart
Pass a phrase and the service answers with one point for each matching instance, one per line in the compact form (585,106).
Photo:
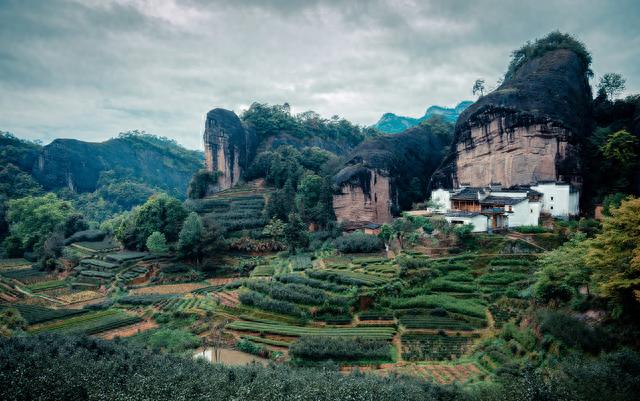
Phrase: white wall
(442,198)
(480,222)
(558,200)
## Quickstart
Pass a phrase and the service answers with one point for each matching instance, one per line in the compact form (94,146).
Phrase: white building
(559,200)
(480,221)
(505,208)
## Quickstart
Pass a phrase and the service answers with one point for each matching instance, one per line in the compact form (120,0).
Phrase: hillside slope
(391,123)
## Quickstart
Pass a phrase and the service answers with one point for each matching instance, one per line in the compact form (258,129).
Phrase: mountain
(386,174)
(528,129)
(155,161)
(391,123)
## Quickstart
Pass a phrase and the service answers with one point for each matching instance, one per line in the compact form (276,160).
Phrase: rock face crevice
(228,146)
(526,131)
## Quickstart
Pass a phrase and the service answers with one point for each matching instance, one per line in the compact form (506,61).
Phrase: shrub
(317,348)
(530,229)
(572,332)
(358,242)
(252,298)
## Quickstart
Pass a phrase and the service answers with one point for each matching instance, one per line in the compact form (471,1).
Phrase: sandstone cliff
(386,174)
(229,146)
(77,165)
(527,130)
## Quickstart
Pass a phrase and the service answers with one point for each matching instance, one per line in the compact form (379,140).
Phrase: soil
(129,331)
(231,357)
(168,289)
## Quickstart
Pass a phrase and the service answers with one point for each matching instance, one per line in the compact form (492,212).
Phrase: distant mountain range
(391,123)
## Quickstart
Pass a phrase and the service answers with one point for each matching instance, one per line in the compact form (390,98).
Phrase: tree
(621,147)
(295,233)
(200,184)
(51,251)
(275,229)
(478,87)
(563,271)
(190,238)
(614,256)
(33,219)
(160,213)
(157,243)
(611,84)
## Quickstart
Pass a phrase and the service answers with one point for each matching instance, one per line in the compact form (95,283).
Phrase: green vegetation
(315,348)
(382,333)
(553,41)
(37,314)
(433,346)
(463,306)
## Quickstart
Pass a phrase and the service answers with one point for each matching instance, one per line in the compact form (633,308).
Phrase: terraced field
(34,314)
(88,323)
(377,333)
(421,347)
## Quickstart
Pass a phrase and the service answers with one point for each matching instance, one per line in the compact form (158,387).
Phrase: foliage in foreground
(67,368)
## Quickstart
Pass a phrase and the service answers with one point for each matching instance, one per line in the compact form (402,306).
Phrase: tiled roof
(501,200)
(462,214)
(467,194)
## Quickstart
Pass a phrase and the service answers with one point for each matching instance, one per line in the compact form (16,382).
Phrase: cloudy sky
(89,69)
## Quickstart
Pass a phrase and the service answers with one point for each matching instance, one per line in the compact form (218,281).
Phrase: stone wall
(352,204)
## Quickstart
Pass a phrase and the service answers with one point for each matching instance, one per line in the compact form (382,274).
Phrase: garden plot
(34,314)
(80,296)
(376,333)
(26,276)
(434,323)
(348,277)
(425,347)
(185,304)
(88,323)
(47,285)
(125,256)
(168,289)
(14,264)
(95,247)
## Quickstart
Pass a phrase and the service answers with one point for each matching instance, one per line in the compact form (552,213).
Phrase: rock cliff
(527,130)
(229,146)
(77,165)
(385,174)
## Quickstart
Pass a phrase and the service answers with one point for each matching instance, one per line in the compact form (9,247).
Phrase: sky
(89,69)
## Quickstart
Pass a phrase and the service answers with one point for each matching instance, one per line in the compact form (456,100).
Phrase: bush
(252,298)
(86,236)
(572,332)
(358,242)
(318,348)
(530,229)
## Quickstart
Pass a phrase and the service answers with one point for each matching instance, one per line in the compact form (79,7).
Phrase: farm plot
(106,245)
(447,374)
(424,347)
(34,314)
(47,285)
(227,298)
(168,289)
(263,271)
(125,256)
(14,264)
(185,304)
(89,323)
(348,277)
(80,296)
(434,323)
(377,333)
(26,275)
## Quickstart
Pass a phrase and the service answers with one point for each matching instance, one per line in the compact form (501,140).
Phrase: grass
(381,333)
(263,271)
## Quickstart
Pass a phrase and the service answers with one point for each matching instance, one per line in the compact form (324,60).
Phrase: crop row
(419,347)
(382,333)
(434,322)
(37,314)
(348,277)
(47,285)
(74,322)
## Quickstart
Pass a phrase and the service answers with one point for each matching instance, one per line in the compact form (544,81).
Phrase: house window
(530,210)
(551,207)
(552,198)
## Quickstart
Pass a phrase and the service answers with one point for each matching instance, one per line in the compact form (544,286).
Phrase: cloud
(92,68)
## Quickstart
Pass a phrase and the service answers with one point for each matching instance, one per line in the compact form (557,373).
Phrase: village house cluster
(496,208)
